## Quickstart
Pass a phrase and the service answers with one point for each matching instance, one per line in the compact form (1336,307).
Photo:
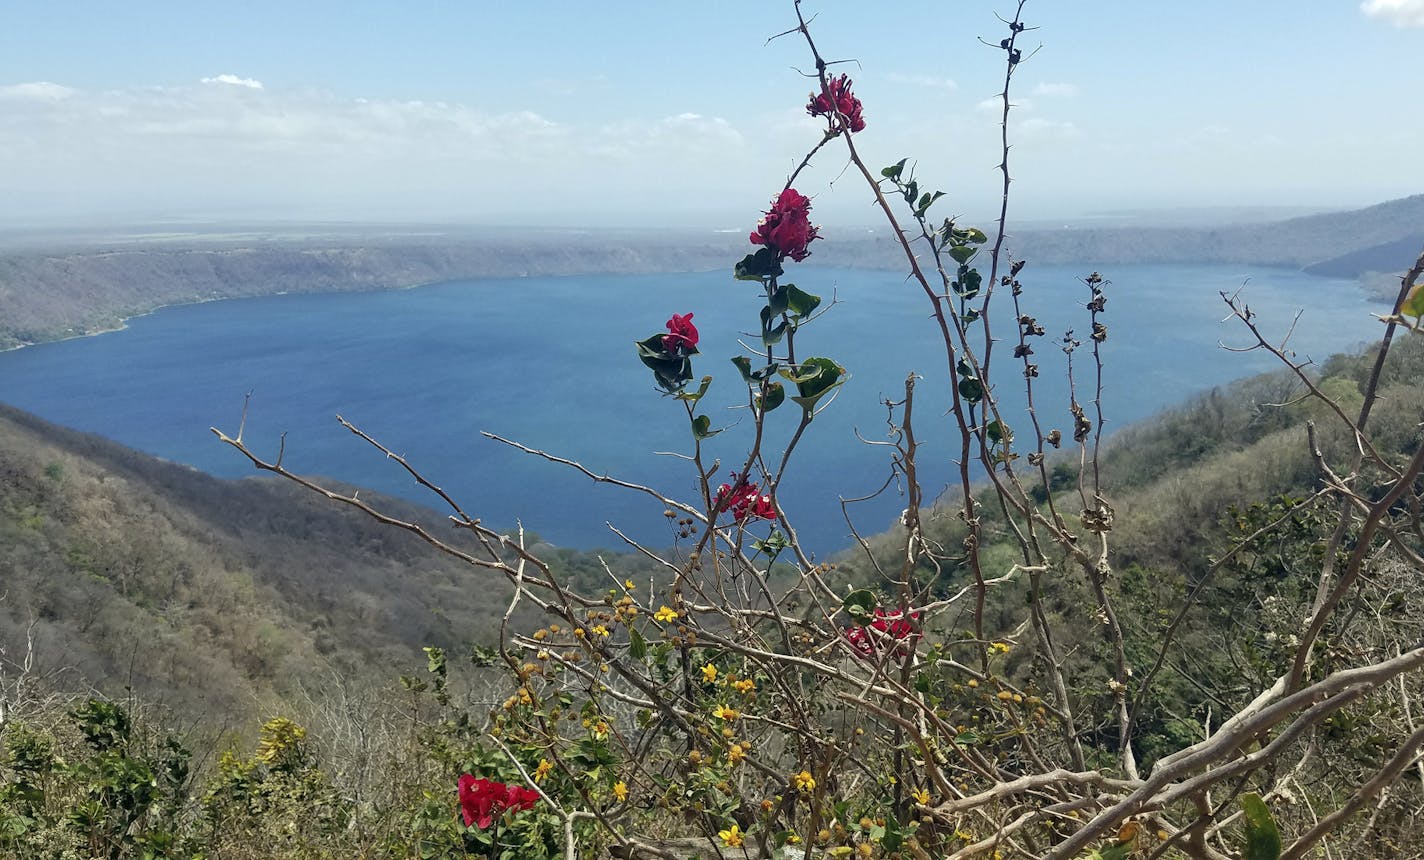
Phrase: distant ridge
(47,295)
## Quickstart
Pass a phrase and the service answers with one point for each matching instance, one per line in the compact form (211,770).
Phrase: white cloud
(1037,128)
(1055,89)
(679,138)
(37,91)
(995,105)
(234,80)
(1400,13)
(198,146)
(922,81)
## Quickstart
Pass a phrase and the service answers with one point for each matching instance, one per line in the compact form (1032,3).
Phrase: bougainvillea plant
(483,801)
(836,103)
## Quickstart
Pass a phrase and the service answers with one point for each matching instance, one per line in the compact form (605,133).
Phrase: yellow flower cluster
(665,614)
(803,781)
(731,837)
(625,609)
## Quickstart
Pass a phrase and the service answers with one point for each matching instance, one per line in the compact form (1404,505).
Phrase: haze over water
(550,362)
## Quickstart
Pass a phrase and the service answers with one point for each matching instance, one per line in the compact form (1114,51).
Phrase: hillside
(54,291)
(216,597)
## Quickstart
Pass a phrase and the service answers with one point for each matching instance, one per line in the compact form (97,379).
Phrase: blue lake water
(550,362)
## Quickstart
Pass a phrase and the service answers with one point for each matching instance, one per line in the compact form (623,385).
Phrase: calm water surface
(550,362)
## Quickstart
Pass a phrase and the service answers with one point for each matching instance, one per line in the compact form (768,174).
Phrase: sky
(659,113)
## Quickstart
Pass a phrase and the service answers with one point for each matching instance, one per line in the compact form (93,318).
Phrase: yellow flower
(735,754)
(731,837)
(628,583)
(542,771)
(601,630)
(620,790)
(709,673)
(922,796)
(745,686)
(999,647)
(665,614)
(722,712)
(803,781)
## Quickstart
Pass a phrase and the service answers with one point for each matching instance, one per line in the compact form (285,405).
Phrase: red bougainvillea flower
(482,800)
(787,228)
(744,500)
(683,335)
(836,102)
(867,640)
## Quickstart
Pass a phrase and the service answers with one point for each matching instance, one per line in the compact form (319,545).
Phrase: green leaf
(962,253)
(701,427)
(482,657)
(771,335)
(777,303)
(775,396)
(977,236)
(774,543)
(998,432)
(971,389)
(860,605)
(967,285)
(814,378)
(969,316)
(893,171)
(744,365)
(800,302)
(695,396)
(672,371)
(1263,839)
(926,201)
(1414,302)
(758,266)
(637,646)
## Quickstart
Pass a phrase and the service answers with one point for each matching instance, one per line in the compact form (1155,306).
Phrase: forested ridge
(56,292)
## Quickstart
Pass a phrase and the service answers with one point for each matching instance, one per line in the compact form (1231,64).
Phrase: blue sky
(657,113)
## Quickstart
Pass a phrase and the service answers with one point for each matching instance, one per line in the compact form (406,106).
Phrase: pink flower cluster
(836,102)
(787,228)
(682,337)
(744,500)
(867,640)
(482,800)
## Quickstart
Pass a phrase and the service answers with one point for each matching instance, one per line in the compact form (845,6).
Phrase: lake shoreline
(425,369)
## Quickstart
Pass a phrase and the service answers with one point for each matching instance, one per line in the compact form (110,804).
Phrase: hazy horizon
(648,114)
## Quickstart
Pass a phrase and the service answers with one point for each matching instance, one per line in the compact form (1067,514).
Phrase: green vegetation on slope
(216,597)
